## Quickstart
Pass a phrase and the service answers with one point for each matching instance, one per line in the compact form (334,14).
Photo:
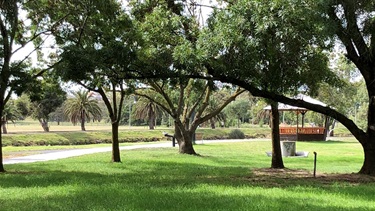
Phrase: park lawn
(227,176)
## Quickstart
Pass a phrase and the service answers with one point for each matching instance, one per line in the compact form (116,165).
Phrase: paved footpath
(60,154)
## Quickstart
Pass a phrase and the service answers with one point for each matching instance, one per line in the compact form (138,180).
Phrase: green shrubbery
(68,138)
(236,134)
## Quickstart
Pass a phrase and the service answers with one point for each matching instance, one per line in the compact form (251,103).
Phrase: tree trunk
(1,146)
(3,125)
(151,121)
(368,166)
(368,145)
(115,143)
(83,121)
(44,125)
(277,159)
(212,122)
(185,141)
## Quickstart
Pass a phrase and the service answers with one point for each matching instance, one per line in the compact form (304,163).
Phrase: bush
(236,134)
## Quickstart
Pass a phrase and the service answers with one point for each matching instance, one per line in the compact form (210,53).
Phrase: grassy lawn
(227,176)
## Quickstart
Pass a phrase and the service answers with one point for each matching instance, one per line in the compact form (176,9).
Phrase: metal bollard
(315,154)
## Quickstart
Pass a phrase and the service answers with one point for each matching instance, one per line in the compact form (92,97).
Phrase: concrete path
(60,154)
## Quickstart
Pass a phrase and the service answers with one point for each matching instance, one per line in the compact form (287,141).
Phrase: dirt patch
(282,177)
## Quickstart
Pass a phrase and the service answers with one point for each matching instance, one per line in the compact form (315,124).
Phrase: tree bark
(151,121)
(83,128)
(115,143)
(1,148)
(277,159)
(212,123)
(185,141)
(44,125)
(368,166)
(368,145)
(3,125)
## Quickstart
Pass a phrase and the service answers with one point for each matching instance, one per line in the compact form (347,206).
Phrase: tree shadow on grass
(167,185)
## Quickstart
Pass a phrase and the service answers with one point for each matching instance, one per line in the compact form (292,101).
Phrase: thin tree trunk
(115,143)
(1,148)
(83,121)
(3,125)
(2,104)
(277,159)
(151,121)
(212,122)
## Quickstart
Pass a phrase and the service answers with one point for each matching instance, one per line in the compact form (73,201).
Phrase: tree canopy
(352,23)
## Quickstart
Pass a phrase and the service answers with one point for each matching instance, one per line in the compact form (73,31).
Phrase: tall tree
(18,34)
(186,104)
(352,23)
(82,107)
(45,99)
(98,44)
(11,114)
(268,45)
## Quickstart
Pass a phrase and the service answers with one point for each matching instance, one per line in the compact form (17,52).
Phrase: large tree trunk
(368,166)
(368,145)
(277,159)
(115,143)
(185,141)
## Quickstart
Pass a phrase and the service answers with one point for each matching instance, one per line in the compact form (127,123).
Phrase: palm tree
(10,113)
(147,110)
(82,107)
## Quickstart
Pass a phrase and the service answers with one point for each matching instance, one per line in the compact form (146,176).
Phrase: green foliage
(238,110)
(271,45)
(78,138)
(49,97)
(10,113)
(144,109)
(23,105)
(82,107)
(236,134)
(168,38)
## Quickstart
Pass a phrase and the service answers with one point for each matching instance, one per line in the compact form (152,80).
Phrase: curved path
(60,154)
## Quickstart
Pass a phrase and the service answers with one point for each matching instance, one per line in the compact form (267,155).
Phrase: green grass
(17,151)
(224,177)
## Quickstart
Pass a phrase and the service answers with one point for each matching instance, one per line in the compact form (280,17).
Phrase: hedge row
(53,142)
(98,137)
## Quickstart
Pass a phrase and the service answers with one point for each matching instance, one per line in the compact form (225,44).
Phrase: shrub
(236,134)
